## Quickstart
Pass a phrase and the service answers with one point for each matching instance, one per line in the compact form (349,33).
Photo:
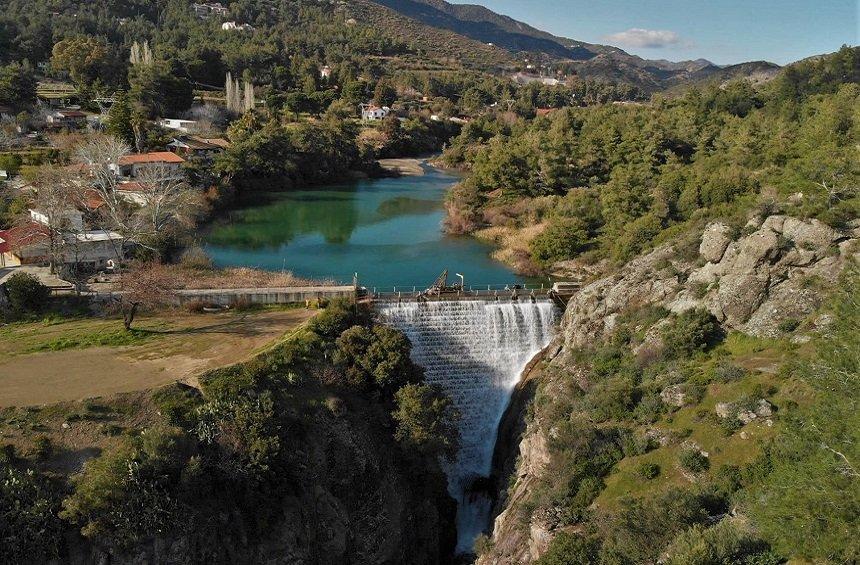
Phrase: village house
(372,113)
(209,9)
(193,147)
(185,126)
(131,166)
(30,243)
(68,119)
(325,72)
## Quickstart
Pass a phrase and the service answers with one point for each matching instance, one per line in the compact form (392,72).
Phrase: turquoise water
(389,231)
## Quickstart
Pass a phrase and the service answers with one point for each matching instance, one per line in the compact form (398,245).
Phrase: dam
(476,351)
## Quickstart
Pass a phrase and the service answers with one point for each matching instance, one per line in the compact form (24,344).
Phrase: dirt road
(191,345)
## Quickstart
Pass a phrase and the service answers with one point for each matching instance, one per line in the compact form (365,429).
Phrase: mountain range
(518,41)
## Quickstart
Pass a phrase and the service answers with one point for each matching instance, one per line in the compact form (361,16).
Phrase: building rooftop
(156,157)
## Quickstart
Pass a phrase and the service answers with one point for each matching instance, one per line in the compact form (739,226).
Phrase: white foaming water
(476,351)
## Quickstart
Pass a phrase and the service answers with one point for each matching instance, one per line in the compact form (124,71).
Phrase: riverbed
(389,231)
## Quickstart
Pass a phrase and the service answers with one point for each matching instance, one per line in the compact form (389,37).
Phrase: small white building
(209,9)
(372,113)
(70,219)
(4,176)
(325,72)
(233,26)
(185,126)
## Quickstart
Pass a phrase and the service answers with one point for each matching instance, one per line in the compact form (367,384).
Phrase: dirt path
(203,343)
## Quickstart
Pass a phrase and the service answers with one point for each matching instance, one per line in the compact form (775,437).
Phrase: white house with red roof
(131,166)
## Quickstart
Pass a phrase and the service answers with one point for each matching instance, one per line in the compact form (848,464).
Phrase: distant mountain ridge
(588,60)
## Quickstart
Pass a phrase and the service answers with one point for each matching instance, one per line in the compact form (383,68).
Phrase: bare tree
(160,202)
(167,201)
(147,286)
(55,198)
(249,97)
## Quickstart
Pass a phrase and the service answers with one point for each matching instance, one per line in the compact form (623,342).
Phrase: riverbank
(405,166)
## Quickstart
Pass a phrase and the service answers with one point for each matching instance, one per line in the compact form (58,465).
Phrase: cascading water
(476,350)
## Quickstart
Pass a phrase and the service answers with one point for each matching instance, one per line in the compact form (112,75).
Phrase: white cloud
(650,38)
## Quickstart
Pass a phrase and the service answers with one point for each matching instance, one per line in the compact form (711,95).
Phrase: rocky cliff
(353,498)
(774,274)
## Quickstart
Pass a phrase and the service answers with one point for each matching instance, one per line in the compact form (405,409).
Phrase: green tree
(377,357)
(159,89)
(426,420)
(562,239)
(384,94)
(17,85)
(83,57)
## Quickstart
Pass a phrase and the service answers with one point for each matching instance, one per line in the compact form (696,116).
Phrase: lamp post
(462,281)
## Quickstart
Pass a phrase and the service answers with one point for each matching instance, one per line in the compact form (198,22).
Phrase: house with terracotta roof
(131,166)
(193,147)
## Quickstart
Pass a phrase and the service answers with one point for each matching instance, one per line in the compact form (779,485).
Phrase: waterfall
(476,350)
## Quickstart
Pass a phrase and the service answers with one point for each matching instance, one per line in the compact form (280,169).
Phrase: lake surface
(389,231)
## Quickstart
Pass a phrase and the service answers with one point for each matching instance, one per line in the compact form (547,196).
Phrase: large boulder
(810,234)
(715,240)
(739,296)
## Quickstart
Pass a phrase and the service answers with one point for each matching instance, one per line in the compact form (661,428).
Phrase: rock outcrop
(755,283)
(752,284)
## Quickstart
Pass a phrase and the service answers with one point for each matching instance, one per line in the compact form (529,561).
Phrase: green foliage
(17,86)
(376,358)
(571,549)
(426,421)
(816,458)
(648,470)
(126,494)
(177,403)
(30,530)
(724,543)
(27,294)
(562,239)
(338,316)
(83,57)
(694,461)
(160,89)
(642,528)
(690,332)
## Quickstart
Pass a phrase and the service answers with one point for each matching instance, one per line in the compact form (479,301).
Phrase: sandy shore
(405,166)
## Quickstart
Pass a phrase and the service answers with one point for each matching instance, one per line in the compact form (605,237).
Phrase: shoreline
(404,166)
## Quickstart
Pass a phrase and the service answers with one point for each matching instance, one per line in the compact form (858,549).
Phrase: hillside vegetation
(610,182)
(700,406)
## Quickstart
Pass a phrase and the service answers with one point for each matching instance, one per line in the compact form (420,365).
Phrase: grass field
(65,360)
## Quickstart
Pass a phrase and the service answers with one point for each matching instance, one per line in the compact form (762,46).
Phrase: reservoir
(389,231)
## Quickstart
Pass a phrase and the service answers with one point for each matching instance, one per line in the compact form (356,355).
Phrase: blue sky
(723,31)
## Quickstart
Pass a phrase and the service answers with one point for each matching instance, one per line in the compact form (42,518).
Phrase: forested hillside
(610,182)
(700,406)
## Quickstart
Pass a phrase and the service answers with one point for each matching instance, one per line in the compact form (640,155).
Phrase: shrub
(690,332)
(788,325)
(376,358)
(562,239)
(30,531)
(27,294)
(195,258)
(426,420)
(648,471)
(43,447)
(722,543)
(694,461)
(570,549)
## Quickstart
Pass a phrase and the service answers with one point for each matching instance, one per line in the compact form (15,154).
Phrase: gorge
(476,351)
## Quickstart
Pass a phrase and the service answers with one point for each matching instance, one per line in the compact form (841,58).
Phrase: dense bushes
(376,357)
(27,294)
(426,421)
(690,332)
(30,530)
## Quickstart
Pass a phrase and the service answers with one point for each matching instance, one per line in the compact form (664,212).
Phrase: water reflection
(388,230)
